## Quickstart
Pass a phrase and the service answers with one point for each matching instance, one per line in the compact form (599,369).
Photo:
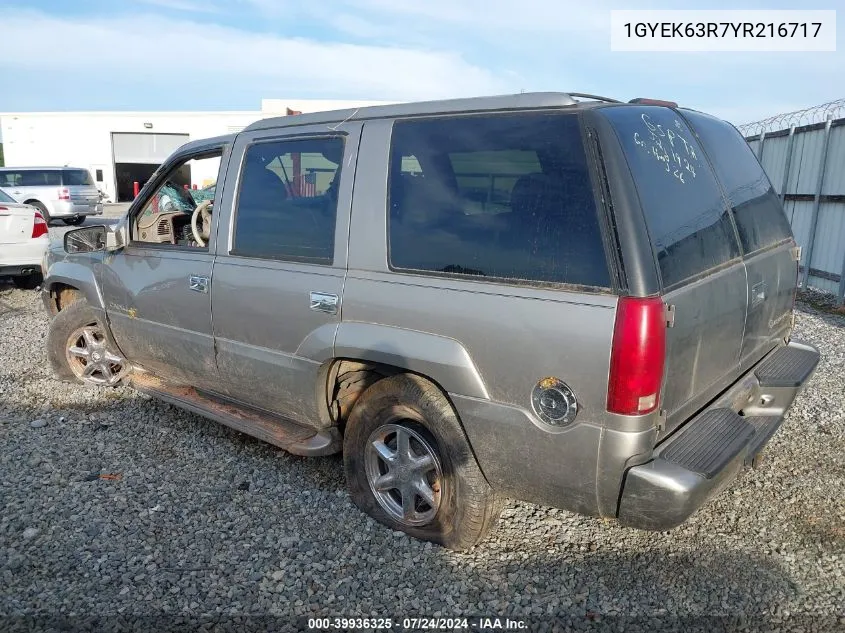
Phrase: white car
(23,242)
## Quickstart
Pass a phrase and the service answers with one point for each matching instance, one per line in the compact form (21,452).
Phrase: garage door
(150,149)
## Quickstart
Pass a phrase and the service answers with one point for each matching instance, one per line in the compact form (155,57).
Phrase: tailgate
(84,195)
(696,253)
(15,225)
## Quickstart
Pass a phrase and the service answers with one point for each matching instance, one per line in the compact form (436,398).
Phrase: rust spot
(548,383)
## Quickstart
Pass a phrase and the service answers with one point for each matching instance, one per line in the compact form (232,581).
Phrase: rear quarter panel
(515,335)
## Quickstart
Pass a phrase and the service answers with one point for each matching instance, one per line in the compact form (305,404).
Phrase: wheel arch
(68,280)
(359,353)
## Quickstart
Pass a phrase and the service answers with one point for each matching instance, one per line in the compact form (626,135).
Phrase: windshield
(4,197)
(76,177)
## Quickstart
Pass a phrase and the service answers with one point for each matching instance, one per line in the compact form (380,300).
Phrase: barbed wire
(807,116)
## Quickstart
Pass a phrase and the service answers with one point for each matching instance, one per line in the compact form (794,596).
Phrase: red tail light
(39,227)
(637,357)
(64,194)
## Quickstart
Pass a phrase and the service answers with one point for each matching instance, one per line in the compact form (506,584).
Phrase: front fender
(76,275)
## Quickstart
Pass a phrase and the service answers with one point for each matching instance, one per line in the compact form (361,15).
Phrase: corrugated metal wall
(807,168)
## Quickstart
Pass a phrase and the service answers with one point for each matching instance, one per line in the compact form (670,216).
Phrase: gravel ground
(118,506)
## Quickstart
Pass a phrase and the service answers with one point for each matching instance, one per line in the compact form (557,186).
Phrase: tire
(28,282)
(68,330)
(466,506)
(74,221)
(41,209)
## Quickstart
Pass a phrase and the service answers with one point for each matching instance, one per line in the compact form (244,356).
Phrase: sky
(57,55)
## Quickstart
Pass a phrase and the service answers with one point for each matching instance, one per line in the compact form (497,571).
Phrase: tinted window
(39,178)
(756,207)
(76,177)
(501,196)
(10,178)
(287,204)
(686,216)
(4,197)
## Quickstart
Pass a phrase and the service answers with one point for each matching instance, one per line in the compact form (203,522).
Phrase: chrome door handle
(324,302)
(198,283)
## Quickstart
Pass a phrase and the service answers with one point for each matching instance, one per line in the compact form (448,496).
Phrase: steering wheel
(204,210)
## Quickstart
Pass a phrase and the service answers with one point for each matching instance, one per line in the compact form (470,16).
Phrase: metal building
(803,154)
(119,148)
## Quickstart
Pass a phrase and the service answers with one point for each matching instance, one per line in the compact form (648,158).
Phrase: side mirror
(88,239)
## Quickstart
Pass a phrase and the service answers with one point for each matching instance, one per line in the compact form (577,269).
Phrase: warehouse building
(120,148)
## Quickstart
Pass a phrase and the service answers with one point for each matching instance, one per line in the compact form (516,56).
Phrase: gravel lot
(118,505)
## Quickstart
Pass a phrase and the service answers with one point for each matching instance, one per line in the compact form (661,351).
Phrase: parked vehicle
(552,297)
(66,193)
(23,242)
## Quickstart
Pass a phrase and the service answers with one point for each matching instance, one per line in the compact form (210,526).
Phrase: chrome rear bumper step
(702,457)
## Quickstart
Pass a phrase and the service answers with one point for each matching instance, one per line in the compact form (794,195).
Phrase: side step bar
(288,435)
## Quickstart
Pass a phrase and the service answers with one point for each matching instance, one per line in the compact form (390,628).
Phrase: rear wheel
(41,209)
(79,350)
(410,467)
(74,221)
(28,282)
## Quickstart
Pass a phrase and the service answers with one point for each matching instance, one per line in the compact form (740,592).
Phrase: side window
(10,179)
(502,196)
(756,207)
(684,210)
(187,190)
(488,178)
(39,178)
(287,201)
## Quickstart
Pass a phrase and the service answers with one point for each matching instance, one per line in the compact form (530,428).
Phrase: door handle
(198,283)
(758,293)
(324,302)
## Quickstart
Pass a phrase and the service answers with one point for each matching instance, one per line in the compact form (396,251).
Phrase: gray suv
(551,297)
(65,193)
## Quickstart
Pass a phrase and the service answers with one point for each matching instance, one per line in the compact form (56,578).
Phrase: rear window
(689,225)
(496,196)
(76,178)
(756,207)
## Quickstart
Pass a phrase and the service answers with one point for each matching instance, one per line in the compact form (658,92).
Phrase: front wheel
(408,465)
(79,351)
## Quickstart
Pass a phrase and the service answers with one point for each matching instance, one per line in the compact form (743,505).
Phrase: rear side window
(39,178)
(287,201)
(76,178)
(497,196)
(689,225)
(756,207)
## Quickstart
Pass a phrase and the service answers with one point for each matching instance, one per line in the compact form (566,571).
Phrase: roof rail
(584,95)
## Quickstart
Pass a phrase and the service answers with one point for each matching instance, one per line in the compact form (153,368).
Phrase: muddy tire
(409,465)
(78,349)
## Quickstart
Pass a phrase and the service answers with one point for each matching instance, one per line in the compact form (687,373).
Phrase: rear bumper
(70,209)
(704,456)
(23,257)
